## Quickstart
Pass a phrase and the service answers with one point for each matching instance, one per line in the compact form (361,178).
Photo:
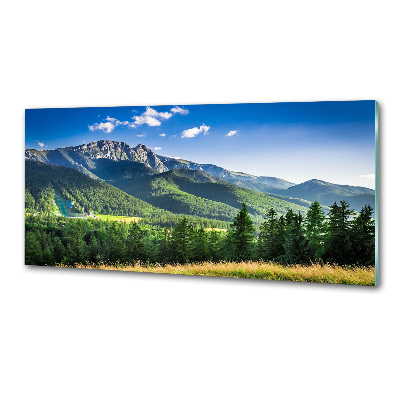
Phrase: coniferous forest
(342,237)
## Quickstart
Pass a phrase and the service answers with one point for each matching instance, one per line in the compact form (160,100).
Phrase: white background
(102,335)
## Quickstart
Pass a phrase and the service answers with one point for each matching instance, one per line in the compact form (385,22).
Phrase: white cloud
(179,110)
(108,126)
(151,112)
(162,134)
(369,178)
(141,135)
(116,121)
(144,119)
(109,119)
(41,144)
(193,132)
(102,126)
(150,117)
(157,148)
(231,133)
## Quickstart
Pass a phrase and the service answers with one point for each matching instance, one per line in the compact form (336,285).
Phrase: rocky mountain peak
(142,147)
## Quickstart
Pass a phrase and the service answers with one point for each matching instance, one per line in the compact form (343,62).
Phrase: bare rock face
(34,155)
(147,156)
(108,149)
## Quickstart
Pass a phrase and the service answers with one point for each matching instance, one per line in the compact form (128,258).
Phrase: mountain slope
(115,171)
(89,195)
(43,181)
(201,194)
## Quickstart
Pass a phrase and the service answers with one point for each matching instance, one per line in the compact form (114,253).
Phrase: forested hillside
(93,196)
(198,193)
(146,193)
(88,194)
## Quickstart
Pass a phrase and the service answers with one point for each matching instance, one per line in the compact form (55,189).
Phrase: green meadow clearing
(117,218)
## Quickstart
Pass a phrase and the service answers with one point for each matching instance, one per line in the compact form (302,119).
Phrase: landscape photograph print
(273,191)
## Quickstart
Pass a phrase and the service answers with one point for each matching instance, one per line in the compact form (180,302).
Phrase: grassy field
(117,218)
(256,270)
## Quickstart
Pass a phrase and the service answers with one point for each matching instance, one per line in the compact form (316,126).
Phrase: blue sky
(332,141)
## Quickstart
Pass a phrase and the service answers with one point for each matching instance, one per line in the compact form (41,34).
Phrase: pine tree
(241,235)
(315,228)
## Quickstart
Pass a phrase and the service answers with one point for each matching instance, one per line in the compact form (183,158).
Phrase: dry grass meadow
(320,273)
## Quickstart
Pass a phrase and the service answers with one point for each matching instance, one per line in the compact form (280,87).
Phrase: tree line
(342,237)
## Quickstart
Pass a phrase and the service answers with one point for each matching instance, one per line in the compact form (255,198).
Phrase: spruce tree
(338,245)
(362,235)
(134,243)
(165,247)
(181,241)
(59,250)
(200,248)
(271,239)
(296,246)
(214,245)
(76,243)
(93,249)
(33,250)
(241,235)
(48,255)
(315,227)
(114,242)
(29,201)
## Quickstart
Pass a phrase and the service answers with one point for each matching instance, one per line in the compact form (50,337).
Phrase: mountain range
(327,193)
(84,158)
(183,186)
